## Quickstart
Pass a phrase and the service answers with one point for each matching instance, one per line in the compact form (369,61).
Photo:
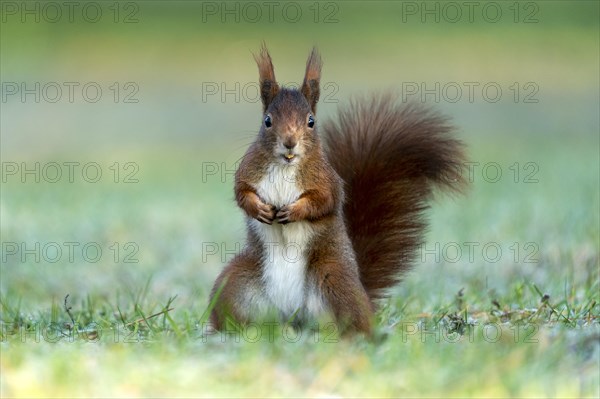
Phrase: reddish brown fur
(243,271)
(390,158)
(383,159)
(268,84)
(312,78)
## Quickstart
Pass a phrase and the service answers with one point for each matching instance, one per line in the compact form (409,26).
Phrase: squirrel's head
(289,115)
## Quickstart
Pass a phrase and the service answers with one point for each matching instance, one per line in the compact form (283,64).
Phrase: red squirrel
(331,225)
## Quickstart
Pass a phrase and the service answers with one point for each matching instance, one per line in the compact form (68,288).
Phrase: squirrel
(331,225)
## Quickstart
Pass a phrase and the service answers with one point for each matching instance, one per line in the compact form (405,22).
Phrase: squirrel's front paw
(266,213)
(286,214)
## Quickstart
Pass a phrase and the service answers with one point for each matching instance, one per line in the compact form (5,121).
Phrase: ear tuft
(310,87)
(268,85)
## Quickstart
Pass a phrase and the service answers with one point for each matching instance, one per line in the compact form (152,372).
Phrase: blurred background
(121,124)
(162,100)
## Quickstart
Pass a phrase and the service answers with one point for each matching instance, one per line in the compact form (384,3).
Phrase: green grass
(475,328)
(524,323)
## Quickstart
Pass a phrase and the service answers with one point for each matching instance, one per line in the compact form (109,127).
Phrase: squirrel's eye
(268,122)
(311,121)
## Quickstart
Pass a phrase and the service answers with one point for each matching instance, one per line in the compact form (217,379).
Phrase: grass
(453,352)
(128,321)
(453,328)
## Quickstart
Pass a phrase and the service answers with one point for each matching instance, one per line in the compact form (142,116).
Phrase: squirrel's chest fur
(284,264)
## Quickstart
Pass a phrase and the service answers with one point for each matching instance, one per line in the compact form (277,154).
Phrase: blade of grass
(212,303)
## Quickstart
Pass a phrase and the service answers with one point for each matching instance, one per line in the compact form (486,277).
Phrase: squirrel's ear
(312,77)
(268,85)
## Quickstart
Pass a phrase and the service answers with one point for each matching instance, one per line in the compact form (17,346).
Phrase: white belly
(285,247)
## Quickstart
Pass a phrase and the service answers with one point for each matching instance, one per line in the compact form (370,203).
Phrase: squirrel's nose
(289,144)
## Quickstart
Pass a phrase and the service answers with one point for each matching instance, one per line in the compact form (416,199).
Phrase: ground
(105,278)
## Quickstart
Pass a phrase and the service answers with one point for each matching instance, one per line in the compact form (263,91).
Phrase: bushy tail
(391,158)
